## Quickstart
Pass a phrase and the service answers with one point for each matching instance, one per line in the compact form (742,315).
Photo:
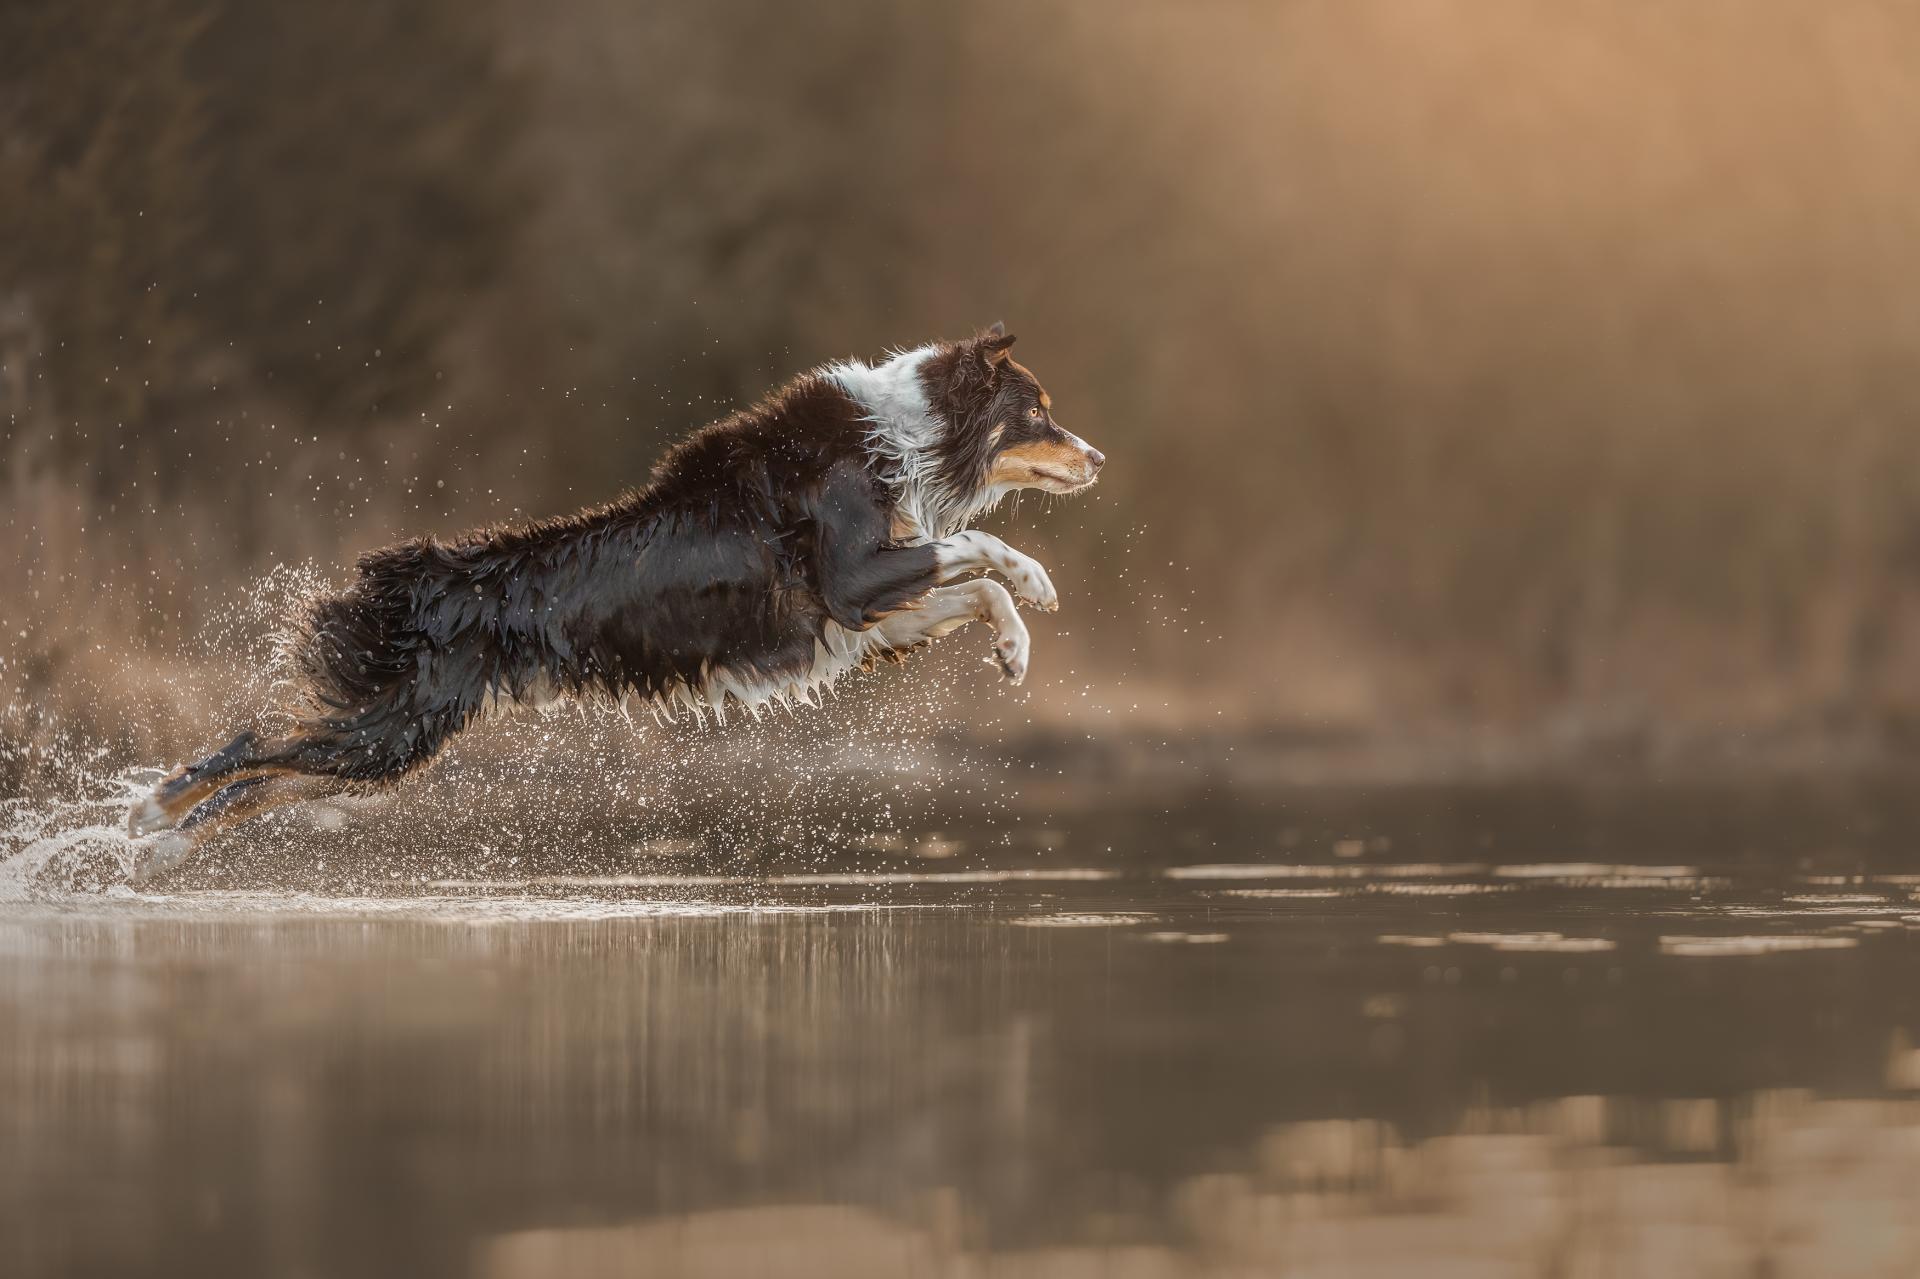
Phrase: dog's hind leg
(946,609)
(232,804)
(189,784)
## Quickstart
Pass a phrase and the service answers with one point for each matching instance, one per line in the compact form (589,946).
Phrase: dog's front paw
(1011,647)
(1031,583)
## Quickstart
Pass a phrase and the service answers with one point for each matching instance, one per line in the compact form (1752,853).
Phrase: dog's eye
(1035,413)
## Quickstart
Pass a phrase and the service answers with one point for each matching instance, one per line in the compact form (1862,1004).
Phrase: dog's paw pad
(1011,653)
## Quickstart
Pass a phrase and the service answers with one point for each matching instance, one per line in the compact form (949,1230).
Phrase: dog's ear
(995,344)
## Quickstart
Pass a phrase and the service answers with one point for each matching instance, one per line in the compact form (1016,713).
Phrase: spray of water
(880,771)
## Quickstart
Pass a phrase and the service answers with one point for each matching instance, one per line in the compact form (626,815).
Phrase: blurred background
(1512,378)
(1462,821)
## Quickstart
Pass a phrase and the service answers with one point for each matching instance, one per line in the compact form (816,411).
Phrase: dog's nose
(1096,457)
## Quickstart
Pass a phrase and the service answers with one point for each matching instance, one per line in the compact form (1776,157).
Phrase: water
(1440,1032)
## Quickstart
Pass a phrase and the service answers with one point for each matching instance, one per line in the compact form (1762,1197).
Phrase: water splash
(587,791)
(57,847)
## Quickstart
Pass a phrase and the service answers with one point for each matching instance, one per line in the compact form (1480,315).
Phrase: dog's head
(1001,433)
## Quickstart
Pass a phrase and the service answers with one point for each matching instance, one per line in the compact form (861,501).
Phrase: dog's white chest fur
(903,437)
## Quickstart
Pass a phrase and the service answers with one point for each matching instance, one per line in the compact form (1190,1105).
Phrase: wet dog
(773,551)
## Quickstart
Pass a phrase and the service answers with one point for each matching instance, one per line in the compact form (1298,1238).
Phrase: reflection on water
(1779,1184)
(1145,1063)
(1059,1076)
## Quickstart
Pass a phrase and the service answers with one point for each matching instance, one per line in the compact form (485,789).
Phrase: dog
(818,531)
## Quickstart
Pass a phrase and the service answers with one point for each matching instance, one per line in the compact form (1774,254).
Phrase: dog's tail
(391,667)
(348,649)
(386,672)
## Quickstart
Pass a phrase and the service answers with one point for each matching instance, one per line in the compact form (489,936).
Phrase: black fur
(752,534)
(752,537)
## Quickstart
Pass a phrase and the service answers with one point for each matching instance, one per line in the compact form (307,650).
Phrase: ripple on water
(1084,919)
(848,879)
(1062,876)
(1543,943)
(1594,870)
(1825,910)
(1719,947)
(1836,899)
(1345,870)
(483,910)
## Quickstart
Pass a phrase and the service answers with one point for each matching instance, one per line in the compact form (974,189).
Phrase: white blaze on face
(1090,457)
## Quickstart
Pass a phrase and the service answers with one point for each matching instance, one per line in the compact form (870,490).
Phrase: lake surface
(1425,1033)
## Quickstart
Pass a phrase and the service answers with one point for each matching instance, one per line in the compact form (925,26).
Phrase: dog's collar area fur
(905,438)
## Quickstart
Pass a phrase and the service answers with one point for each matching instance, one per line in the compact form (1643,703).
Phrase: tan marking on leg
(174,796)
(278,789)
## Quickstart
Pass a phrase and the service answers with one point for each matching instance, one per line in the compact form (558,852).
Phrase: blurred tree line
(209,192)
(1468,362)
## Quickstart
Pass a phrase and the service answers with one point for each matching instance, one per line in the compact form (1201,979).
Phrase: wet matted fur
(770,553)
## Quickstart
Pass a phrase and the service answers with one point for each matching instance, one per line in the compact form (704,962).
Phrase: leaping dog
(772,552)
